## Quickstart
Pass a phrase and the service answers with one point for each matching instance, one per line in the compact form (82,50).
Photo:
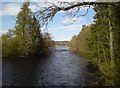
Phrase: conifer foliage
(27,38)
(103,44)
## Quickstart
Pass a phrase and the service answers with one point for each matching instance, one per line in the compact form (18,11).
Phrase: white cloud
(68,28)
(37,6)
(43,0)
(14,8)
(65,32)
(2,32)
(33,8)
(69,20)
(73,28)
(59,0)
(10,9)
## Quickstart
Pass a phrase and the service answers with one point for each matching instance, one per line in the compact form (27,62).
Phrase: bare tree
(47,13)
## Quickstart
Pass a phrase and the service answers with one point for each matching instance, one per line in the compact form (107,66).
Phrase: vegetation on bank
(79,42)
(100,43)
(27,38)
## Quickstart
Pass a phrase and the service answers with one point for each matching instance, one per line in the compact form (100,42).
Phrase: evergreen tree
(104,42)
(27,38)
(116,32)
(28,29)
(23,25)
(35,38)
(99,43)
(23,20)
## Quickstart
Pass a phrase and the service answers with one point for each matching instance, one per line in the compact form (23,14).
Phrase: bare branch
(88,3)
(46,14)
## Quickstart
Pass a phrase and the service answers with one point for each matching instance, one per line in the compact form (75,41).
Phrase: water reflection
(61,68)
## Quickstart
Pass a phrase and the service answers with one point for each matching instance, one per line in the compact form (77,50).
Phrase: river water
(60,68)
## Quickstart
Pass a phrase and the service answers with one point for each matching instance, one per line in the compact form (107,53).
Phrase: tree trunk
(111,39)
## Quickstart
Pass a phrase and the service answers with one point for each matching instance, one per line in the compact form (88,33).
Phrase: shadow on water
(60,68)
(19,71)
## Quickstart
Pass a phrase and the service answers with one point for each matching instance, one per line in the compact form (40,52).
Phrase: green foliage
(27,38)
(116,29)
(98,43)
(72,44)
(48,40)
(9,46)
(79,42)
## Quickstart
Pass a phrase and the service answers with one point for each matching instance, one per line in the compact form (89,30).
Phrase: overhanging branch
(47,13)
(88,3)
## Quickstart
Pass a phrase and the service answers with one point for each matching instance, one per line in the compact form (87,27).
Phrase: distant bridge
(61,43)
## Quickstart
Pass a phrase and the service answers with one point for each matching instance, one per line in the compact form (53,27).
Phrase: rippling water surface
(61,68)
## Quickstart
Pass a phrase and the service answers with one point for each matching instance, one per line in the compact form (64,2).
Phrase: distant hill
(61,43)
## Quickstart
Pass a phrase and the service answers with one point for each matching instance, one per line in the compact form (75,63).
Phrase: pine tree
(23,26)
(28,30)
(100,43)
(27,38)
(35,37)
(104,42)
(116,43)
(23,20)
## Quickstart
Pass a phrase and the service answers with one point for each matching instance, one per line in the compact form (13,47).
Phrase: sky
(59,28)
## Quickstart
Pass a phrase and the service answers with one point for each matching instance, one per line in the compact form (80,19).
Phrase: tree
(23,25)
(23,20)
(48,42)
(72,44)
(116,42)
(35,37)
(79,43)
(27,38)
(10,45)
(28,29)
(103,42)
(46,14)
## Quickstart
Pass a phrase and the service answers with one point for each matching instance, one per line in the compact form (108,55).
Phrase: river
(61,68)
